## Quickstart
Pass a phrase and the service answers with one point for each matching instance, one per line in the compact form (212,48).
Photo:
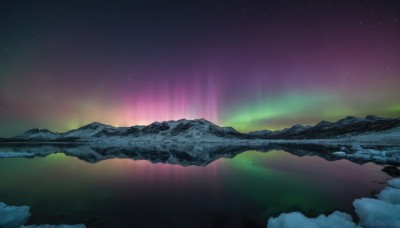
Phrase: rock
(392,171)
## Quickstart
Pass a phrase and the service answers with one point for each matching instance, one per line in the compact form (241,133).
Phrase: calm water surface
(240,192)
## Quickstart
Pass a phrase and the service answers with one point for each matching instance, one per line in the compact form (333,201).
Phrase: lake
(243,191)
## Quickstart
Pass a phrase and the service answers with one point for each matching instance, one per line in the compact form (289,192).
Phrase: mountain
(37,135)
(94,129)
(202,130)
(198,129)
(259,134)
(347,127)
(180,130)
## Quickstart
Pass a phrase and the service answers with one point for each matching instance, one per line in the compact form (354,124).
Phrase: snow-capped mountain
(198,129)
(347,127)
(94,130)
(37,135)
(205,131)
(180,130)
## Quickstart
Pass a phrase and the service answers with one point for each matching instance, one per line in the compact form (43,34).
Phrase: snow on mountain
(198,129)
(179,130)
(347,127)
(201,128)
(37,135)
(88,130)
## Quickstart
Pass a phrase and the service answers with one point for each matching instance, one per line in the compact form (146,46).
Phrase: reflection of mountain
(201,130)
(201,154)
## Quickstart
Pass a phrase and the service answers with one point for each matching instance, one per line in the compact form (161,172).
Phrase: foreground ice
(395,183)
(17,216)
(297,219)
(390,195)
(358,152)
(377,213)
(13,216)
(381,212)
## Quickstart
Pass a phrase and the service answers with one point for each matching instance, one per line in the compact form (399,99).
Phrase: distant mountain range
(347,127)
(203,130)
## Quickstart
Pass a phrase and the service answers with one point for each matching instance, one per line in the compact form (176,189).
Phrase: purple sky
(247,64)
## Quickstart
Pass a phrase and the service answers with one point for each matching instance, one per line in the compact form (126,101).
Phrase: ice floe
(13,216)
(390,195)
(377,213)
(17,216)
(395,183)
(357,152)
(15,154)
(297,219)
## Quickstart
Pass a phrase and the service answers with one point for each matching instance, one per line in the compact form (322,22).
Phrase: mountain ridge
(201,129)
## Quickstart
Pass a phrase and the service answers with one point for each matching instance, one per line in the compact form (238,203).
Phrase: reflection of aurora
(252,184)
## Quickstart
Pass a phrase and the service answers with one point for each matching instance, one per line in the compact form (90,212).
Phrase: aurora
(249,65)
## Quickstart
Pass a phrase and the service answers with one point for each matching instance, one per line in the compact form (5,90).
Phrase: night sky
(247,64)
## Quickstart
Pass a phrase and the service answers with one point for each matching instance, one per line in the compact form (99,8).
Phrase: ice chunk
(377,213)
(356,147)
(395,183)
(390,195)
(13,216)
(297,219)
(17,216)
(340,154)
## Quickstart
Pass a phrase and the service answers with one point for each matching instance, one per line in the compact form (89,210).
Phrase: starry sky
(247,64)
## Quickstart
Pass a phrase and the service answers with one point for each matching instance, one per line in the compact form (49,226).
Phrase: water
(240,192)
